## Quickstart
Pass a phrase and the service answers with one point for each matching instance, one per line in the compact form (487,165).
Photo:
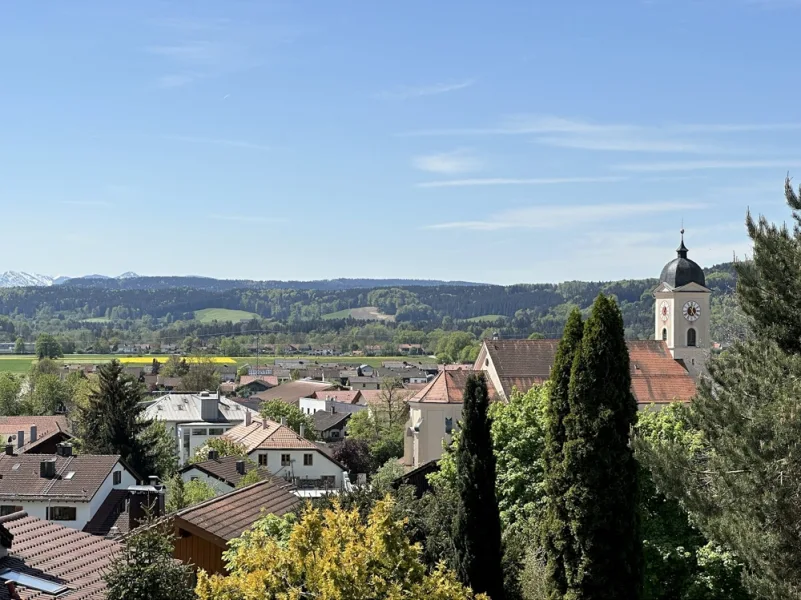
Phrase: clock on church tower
(681,309)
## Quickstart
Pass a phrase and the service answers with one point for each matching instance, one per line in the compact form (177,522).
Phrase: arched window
(691,337)
(664,334)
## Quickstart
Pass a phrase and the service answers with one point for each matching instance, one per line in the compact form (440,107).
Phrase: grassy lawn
(486,318)
(364,313)
(207,315)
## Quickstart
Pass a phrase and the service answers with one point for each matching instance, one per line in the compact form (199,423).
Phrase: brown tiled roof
(271,380)
(447,388)
(291,391)
(655,376)
(225,517)
(20,479)
(224,469)
(266,434)
(46,428)
(50,551)
(344,396)
(111,513)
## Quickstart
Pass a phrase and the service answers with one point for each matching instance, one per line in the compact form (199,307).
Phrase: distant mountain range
(133,281)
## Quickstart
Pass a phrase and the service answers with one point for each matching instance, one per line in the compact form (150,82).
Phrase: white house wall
(218,486)
(322,465)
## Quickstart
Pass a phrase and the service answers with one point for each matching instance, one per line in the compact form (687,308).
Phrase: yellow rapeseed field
(139,360)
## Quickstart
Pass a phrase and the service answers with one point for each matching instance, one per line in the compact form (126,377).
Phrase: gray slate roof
(185,408)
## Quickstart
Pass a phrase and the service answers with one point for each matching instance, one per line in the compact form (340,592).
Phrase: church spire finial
(682,249)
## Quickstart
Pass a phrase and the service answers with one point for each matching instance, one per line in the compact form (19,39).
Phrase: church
(663,370)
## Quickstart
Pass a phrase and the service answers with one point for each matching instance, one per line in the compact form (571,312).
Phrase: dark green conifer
(477,527)
(556,539)
(601,498)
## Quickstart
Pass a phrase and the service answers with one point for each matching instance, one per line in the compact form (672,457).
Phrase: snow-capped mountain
(22,279)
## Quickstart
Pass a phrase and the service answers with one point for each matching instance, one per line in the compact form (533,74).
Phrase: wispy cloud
(87,203)
(406,92)
(217,142)
(248,219)
(706,165)
(508,181)
(558,216)
(629,143)
(448,163)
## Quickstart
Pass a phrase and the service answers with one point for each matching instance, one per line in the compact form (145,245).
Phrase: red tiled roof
(45,549)
(447,388)
(344,396)
(20,476)
(268,379)
(225,517)
(266,434)
(46,427)
(655,376)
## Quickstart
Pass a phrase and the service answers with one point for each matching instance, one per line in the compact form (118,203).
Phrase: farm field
(207,315)
(364,313)
(22,364)
(486,318)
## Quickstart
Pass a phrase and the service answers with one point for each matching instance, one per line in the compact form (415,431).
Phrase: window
(664,335)
(194,478)
(308,460)
(51,588)
(7,509)
(448,425)
(334,433)
(216,430)
(117,477)
(262,460)
(199,432)
(691,337)
(285,460)
(61,513)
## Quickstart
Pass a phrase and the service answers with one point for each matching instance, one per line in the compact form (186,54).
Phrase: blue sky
(486,141)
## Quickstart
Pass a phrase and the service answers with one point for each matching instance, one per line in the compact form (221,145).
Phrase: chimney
(303,430)
(283,420)
(240,467)
(47,468)
(64,449)
(33,433)
(20,439)
(141,500)
(9,449)
(213,455)
(264,423)
(248,418)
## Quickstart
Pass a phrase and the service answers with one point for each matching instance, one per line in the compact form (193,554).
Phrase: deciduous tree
(48,347)
(276,409)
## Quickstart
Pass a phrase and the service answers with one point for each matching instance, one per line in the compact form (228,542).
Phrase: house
(253,384)
(202,532)
(126,509)
(330,426)
(412,349)
(222,474)
(34,435)
(364,383)
(434,414)
(64,488)
(227,372)
(289,455)
(418,478)
(195,418)
(48,560)
(341,401)
(290,392)
(168,383)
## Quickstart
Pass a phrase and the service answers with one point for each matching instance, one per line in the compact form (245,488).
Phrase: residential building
(290,392)
(333,401)
(289,455)
(48,560)
(434,414)
(253,384)
(195,418)
(126,509)
(221,474)
(202,532)
(330,426)
(364,383)
(63,488)
(35,435)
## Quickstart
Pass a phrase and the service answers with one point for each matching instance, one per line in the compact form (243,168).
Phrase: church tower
(681,313)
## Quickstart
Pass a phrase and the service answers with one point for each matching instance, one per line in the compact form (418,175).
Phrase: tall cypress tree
(477,527)
(556,538)
(110,423)
(601,501)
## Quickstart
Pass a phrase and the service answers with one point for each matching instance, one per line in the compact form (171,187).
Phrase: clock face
(664,310)
(692,310)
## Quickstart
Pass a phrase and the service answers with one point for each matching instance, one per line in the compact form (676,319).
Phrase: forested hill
(220,285)
(514,311)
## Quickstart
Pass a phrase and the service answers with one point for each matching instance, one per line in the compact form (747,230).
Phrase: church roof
(681,270)
(447,388)
(655,376)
